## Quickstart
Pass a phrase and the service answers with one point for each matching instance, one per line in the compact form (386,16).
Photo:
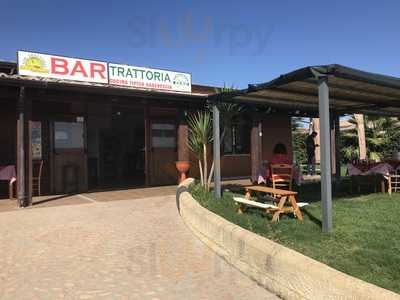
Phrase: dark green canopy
(324,91)
(350,91)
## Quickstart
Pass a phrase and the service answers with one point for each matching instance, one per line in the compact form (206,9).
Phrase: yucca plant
(200,136)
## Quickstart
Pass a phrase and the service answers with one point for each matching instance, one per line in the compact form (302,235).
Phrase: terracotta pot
(182,166)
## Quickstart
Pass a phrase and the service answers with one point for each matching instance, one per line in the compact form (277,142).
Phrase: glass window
(163,135)
(36,140)
(237,139)
(227,141)
(68,135)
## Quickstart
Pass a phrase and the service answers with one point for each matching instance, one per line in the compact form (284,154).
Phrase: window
(68,135)
(36,140)
(236,138)
(163,135)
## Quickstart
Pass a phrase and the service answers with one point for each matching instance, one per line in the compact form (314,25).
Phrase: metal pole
(326,187)
(21,191)
(216,153)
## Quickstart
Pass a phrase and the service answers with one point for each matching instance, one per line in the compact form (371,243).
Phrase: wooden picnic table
(280,196)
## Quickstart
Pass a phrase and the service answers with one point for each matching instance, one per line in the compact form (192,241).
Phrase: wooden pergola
(328,91)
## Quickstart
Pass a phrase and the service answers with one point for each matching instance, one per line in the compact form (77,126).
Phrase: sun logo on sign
(181,79)
(34,63)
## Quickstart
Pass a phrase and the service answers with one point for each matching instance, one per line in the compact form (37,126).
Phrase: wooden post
(21,191)
(28,150)
(256,148)
(333,148)
(337,149)
(51,157)
(183,149)
(316,128)
(24,149)
(216,152)
(147,143)
(361,136)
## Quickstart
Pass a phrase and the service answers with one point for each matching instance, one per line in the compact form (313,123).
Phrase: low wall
(282,271)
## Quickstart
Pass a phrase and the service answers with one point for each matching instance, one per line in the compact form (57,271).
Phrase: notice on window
(36,140)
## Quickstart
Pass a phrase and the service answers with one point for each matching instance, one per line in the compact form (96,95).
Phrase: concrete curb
(281,270)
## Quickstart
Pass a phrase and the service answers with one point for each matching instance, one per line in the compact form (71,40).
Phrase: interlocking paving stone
(132,249)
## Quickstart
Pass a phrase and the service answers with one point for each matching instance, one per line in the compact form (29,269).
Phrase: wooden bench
(243,203)
(278,195)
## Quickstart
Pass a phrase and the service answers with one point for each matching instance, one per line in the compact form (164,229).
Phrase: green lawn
(365,242)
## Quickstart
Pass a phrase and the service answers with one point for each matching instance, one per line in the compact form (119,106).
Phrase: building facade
(127,130)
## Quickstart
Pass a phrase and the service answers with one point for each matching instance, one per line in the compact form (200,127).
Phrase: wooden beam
(277,102)
(337,149)
(377,96)
(362,146)
(28,151)
(256,147)
(216,152)
(333,148)
(24,149)
(183,133)
(147,142)
(342,83)
(21,190)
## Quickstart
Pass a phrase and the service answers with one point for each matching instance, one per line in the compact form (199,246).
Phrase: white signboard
(59,67)
(149,78)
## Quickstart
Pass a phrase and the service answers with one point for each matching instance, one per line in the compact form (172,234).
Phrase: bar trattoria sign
(149,78)
(59,67)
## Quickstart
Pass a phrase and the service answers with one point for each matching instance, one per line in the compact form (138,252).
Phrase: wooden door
(163,152)
(70,161)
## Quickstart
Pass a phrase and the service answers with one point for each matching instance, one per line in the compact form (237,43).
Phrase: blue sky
(232,42)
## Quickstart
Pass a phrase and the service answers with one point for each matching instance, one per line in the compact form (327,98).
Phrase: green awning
(350,91)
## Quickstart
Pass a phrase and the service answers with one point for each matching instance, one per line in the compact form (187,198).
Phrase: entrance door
(163,153)
(70,170)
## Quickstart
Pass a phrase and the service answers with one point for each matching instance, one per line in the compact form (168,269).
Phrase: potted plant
(183,167)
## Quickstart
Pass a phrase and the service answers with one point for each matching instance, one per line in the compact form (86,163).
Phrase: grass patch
(365,242)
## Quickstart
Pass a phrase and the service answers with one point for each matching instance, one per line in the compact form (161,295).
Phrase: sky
(219,42)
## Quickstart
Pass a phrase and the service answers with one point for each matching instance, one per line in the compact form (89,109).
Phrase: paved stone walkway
(134,249)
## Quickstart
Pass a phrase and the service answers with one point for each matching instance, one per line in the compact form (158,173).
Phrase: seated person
(280,155)
(263,173)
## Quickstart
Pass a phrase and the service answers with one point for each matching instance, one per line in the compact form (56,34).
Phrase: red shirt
(281,159)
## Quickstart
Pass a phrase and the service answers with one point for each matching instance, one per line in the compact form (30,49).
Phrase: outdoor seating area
(279,197)
(370,173)
(363,223)
(282,176)
(279,175)
(205,150)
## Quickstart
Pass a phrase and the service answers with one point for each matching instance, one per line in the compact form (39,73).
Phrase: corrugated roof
(350,90)
(198,91)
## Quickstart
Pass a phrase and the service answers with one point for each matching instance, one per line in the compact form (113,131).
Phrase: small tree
(200,136)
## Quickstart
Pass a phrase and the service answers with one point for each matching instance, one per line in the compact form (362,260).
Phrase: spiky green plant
(200,132)
(200,136)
